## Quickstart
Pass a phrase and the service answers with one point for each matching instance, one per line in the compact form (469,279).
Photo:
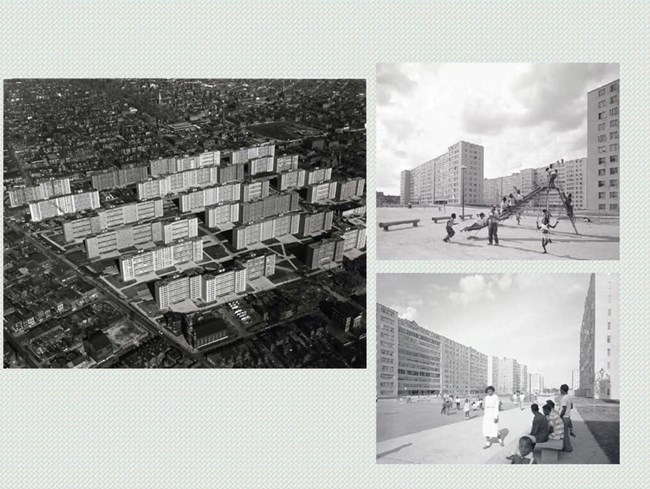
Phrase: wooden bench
(443,218)
(549,451)
(386,225)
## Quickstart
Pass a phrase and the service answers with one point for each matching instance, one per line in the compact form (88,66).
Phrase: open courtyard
(417,433)
(597,240)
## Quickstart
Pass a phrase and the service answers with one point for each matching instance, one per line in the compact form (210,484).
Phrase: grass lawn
(603,422)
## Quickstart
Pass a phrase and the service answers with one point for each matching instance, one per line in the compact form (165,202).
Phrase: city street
(598,240)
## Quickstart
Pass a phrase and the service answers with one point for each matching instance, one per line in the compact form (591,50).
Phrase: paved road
(115,299)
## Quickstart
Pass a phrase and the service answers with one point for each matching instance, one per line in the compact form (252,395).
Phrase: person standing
(491,418)
(522,398)
(566,405)
(466,408)
(444,405)
(493,223)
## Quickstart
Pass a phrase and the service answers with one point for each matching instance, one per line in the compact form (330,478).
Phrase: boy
(546,231)
(466,408)
(493,223)
(526,447)
(518,200)
(450,231)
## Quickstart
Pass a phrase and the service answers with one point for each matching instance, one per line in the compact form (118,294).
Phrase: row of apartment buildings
(209,287)
(412,360)
(593,180)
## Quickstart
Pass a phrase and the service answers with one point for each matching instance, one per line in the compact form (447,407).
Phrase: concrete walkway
(462,443)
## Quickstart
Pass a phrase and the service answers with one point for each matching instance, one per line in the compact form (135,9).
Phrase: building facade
(198,200)
(418,360)
(63,205)
(325,252)
(451,177)
(599,339)
(275,227)
(603,149)
(143,262)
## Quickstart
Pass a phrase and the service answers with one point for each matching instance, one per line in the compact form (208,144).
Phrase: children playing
(546,229)
(450,230)
(479,224)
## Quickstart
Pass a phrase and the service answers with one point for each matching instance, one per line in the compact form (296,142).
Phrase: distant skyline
(525,115)
(534,318)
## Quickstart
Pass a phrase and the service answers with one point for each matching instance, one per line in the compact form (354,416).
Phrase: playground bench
(446,218)
(386,225)
(549,451)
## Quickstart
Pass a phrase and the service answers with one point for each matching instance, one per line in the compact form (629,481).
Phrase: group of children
(492,223)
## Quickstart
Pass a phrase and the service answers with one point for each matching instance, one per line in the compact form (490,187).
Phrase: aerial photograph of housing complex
(177,223)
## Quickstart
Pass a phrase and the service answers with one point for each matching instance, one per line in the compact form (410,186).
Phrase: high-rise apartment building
(325,252)
(257,264)
(174,164)
(321,192)
(146,261)
(387,330)
(419,360)
(268,207)
(198,200)
(350,188)
(318,175)
(100,245)
(290,179)
(354,237)
(111,217)
(261,165)
(535,383)
(255,190)
(275,227)
(506,375)
(46,189)
(443,178)
(285,163)
(247,154)
(119,177)
(572,179)
(603,149)
(65,204)
(180,228)
(230,279)
(599,339)
(317,222)
(226,213)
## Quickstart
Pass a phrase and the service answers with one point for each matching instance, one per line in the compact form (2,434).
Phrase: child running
(450,230)
(546,230)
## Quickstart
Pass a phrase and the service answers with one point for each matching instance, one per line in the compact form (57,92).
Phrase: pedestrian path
(462,443)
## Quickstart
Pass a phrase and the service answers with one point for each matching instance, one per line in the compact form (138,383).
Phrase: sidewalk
(462,443)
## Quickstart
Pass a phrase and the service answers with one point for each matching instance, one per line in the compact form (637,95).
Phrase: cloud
(392,82)
(525,115)
(409,312)
(471,289)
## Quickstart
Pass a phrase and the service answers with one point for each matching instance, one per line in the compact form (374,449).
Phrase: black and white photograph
(498,161)
(498,369)
(184,223)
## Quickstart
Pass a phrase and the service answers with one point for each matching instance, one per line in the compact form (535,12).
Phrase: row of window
(612,171)
(603,137)
(612,183)
(612,100)
(612,88)
(603,125)
(612,147)
(603,115)
(612,207)
(612,195)
(603,159)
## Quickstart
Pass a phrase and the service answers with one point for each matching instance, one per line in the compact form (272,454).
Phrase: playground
(597,238)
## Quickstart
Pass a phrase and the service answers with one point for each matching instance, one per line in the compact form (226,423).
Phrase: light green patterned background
(307,428)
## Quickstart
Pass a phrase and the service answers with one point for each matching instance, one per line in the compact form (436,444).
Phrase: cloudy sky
(535,319)
(525,115)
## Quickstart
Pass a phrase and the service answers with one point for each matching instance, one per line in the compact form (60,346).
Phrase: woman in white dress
(491,417)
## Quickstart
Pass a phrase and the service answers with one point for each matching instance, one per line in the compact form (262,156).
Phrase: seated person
(479,224)
(555,423)
(526,446)
(539,430)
